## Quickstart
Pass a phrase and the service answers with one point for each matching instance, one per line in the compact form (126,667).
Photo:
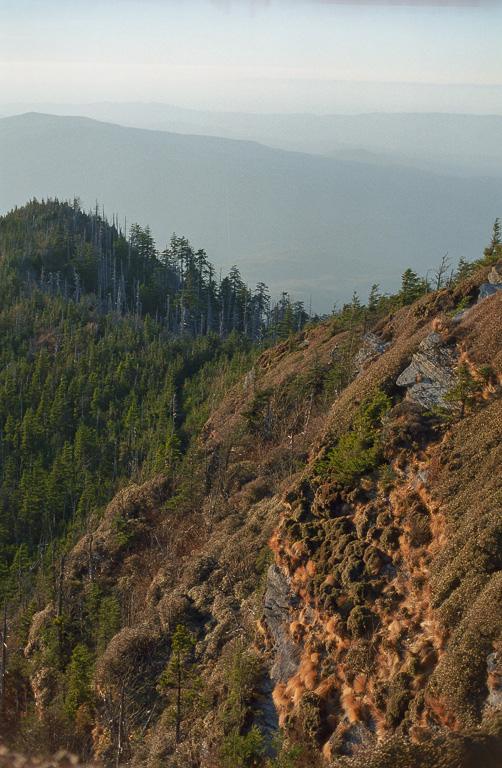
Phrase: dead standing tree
(126,682)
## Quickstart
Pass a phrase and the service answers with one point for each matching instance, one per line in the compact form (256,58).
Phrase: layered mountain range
(380,199)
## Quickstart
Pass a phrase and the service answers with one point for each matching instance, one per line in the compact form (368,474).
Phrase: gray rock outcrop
(371,348)
(488,289)
(430,374)
(279,600)
(493,284)
(493,701)
(495,276)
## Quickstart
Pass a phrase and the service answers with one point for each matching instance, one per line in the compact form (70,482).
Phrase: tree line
(58,249)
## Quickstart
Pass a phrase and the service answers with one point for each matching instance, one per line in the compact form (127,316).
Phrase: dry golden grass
(326,688)
(410,630)
(351,704)
(360,683)
(480,332)
(461,494)
(295,689)
(282,702)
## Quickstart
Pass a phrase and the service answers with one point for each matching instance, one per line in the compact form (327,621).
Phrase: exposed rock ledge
(488,289)
(493,285)
(430,374)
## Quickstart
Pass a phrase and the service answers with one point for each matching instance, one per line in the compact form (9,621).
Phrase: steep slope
(397,570)
(329,572)
(261,208)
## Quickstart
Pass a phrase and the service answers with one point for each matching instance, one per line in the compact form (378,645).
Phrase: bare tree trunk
(91,569)
(178,706)
(120,737)
(60,603)
(309,412)
(4,660)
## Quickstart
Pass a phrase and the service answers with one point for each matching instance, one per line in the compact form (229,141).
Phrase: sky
(255,55)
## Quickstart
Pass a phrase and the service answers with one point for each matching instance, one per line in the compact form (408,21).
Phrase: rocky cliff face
(341,556)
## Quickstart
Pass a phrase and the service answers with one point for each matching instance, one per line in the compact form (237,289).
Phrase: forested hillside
(233,536)
(112,357)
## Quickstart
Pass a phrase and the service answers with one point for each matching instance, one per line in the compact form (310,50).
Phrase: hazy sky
(291,55)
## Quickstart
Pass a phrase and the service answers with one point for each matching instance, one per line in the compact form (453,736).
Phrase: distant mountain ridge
(454,143)
(334,226)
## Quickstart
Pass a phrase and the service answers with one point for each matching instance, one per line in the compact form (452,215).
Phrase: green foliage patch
(359,450)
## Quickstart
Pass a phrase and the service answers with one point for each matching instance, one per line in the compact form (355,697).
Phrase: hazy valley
(336,224)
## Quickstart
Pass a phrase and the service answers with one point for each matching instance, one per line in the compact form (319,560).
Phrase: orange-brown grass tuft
(276,544)
(300,575)
(307,673)
(359,684)
(295,689)
(326,750)
(334,631)
(380,722)
(351,704)
(329,581)
(441,714)
(428,659)
(443,324)
(282,702)
(309,679)
(438,528)
(393,631)
(262,627)
(326,688)
(296,629)
(298,549)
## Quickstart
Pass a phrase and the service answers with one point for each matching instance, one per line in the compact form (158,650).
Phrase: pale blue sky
(246,54)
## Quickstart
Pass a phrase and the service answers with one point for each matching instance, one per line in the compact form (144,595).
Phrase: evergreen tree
(79,677)
(286,326)
(412,287)
(465,392)
(178,677)
(493,252)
